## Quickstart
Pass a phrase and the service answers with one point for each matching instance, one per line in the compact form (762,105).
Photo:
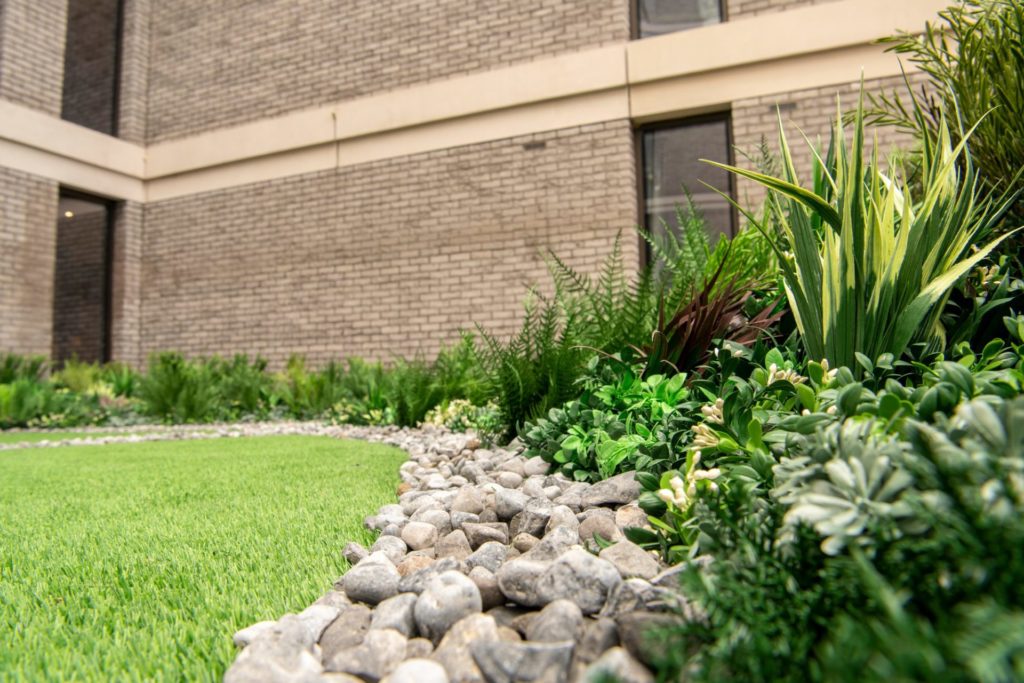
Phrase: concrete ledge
(74,173)
(674,75)
(797,32)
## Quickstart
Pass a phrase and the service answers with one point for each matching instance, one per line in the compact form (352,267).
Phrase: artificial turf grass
(138,561)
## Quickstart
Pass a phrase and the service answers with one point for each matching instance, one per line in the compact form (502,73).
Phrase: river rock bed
(486,569)
(99,436)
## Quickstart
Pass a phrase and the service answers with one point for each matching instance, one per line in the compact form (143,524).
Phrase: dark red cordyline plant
(714,312)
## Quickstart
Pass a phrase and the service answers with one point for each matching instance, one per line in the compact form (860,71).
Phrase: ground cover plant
(153,554)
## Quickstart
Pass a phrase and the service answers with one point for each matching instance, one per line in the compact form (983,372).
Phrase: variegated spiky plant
(866,261)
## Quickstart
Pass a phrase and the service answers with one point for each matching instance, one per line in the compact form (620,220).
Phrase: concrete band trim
(654,79)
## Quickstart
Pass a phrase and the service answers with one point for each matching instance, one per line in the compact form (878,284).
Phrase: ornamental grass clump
(866,261)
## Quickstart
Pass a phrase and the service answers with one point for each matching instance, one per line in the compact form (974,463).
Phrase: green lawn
(138,561)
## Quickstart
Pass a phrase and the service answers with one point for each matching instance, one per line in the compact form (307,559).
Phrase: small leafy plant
(611,428)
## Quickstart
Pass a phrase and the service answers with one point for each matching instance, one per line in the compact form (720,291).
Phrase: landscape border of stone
(185,432)
(486,569)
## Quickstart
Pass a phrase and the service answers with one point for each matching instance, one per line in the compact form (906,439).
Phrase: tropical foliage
(867,261)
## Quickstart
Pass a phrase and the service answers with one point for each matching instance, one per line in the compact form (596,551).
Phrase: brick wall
(812,111)
(90,57)
(389,257)
(228,62)
(740,9)
(134,71)
(28,209)
(79,289)
(32,53)
(126,284)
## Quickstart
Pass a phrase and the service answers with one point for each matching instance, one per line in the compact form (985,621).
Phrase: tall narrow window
(656,17)
(92,64)
(81,292)
(672,167)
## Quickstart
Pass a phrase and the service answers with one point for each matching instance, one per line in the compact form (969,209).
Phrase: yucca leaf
(876,277)
(795,192)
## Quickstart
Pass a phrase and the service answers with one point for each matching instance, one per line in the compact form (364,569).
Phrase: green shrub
(123,380)
(712,314)
(857,518)
(703,292)
(310,395)
(78,377)
(177,391)
(620,308)
(14,367)
(537,368)
(411,390)
(459,373)
(24,401)
(872,264)
(243,389)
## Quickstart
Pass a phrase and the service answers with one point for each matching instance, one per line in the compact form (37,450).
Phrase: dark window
(672,167)
(657,17)
(92,64)
(81,288)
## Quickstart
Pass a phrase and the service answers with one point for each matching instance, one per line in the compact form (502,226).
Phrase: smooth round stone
(487,583)
(448,598)
(559,620)
(490,556)
(460,518)
(468,499)
(396,613)
(414,563)
(454,545)
(509,480)
(524,542)
(580,577)
(354,552)
(599,525)
(392,546)
(534,466)
(631,515)
(418,671)
(631,560)
(420,535)
(373,580)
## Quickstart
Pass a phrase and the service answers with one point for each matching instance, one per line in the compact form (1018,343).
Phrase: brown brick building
(366,178)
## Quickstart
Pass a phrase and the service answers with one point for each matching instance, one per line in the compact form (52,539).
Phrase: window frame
(117,73)
(725,116)
(112,208)
(634,18)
